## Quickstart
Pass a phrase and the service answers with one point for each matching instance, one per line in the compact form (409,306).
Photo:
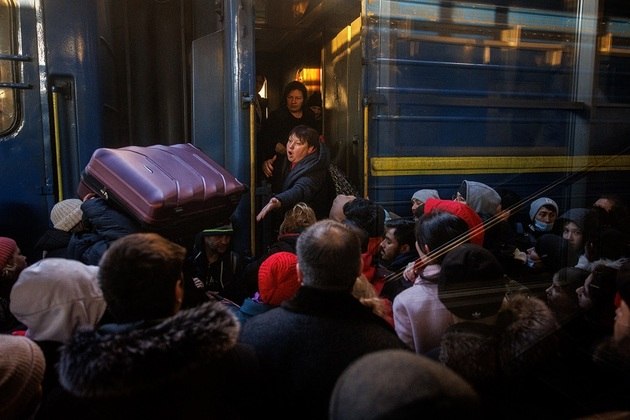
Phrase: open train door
(223,83)
(342,58)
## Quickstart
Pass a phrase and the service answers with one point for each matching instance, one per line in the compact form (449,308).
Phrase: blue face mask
(542,226)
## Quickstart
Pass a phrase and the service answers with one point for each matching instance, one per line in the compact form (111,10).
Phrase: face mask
(542,226)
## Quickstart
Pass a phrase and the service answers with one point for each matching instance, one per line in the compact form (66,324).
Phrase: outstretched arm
(273,204)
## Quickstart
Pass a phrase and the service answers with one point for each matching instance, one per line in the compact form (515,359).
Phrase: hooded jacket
(54,296)
(481,198)
(185,366)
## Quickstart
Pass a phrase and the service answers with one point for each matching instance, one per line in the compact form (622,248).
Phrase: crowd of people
(465,306)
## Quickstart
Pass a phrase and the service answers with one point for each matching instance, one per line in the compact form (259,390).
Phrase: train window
(8,104)
(614,56)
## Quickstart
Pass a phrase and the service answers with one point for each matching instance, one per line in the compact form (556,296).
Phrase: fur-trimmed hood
(121,360)
(522,339)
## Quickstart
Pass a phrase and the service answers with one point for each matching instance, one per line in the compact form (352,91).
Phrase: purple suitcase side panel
(161,185)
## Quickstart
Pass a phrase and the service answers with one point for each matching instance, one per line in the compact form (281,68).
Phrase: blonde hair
(297,219)
(365,292)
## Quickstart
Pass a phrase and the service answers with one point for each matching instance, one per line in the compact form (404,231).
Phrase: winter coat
(104,224)
(305,344)
(420,318)
(53,244)
(308,181)
(187,366)
(507,362)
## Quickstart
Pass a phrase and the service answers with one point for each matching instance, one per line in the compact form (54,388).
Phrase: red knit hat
(462,210)
(277,278)
(7,249)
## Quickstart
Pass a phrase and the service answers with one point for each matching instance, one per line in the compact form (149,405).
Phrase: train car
(527,96)
(515,96)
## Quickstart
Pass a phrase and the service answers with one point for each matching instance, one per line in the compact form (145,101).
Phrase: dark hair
(315,99)
(329,256)
(294,85)
(306,134)
(364,238)
(367,215)
(570,278)
(138,274)
(603,285)
(404,231)
(437,228)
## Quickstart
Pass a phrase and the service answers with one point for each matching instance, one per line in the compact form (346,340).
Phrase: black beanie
(471,283)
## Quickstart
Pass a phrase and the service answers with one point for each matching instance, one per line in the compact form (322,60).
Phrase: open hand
(274,203)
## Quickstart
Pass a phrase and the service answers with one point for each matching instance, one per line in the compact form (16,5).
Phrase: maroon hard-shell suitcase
(175,190)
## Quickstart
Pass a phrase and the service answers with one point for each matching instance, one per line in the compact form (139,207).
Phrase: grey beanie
(538,203)
(400,384)
(576,215)
(424,195)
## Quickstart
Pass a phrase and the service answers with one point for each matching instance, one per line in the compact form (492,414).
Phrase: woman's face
(558,298)
(295,100)
(573,234)
(298,149)
(19,260)
(584,295)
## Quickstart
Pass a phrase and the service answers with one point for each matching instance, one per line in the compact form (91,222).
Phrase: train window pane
(7,67)
(485,74)
(614,56)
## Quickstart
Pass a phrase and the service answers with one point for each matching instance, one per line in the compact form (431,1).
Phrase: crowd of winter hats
(54,296)
(7,249)
(22,367)
(540,202)
(471,283)
(277,278)
(399,384)
(66,214)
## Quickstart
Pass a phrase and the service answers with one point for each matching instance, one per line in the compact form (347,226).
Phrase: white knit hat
(66,214)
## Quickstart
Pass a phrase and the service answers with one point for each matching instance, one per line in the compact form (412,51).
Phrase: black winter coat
(304,345)
(104,224)
(188,366)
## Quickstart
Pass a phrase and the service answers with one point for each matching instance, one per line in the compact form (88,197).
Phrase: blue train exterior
(513,97)
(55,116)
